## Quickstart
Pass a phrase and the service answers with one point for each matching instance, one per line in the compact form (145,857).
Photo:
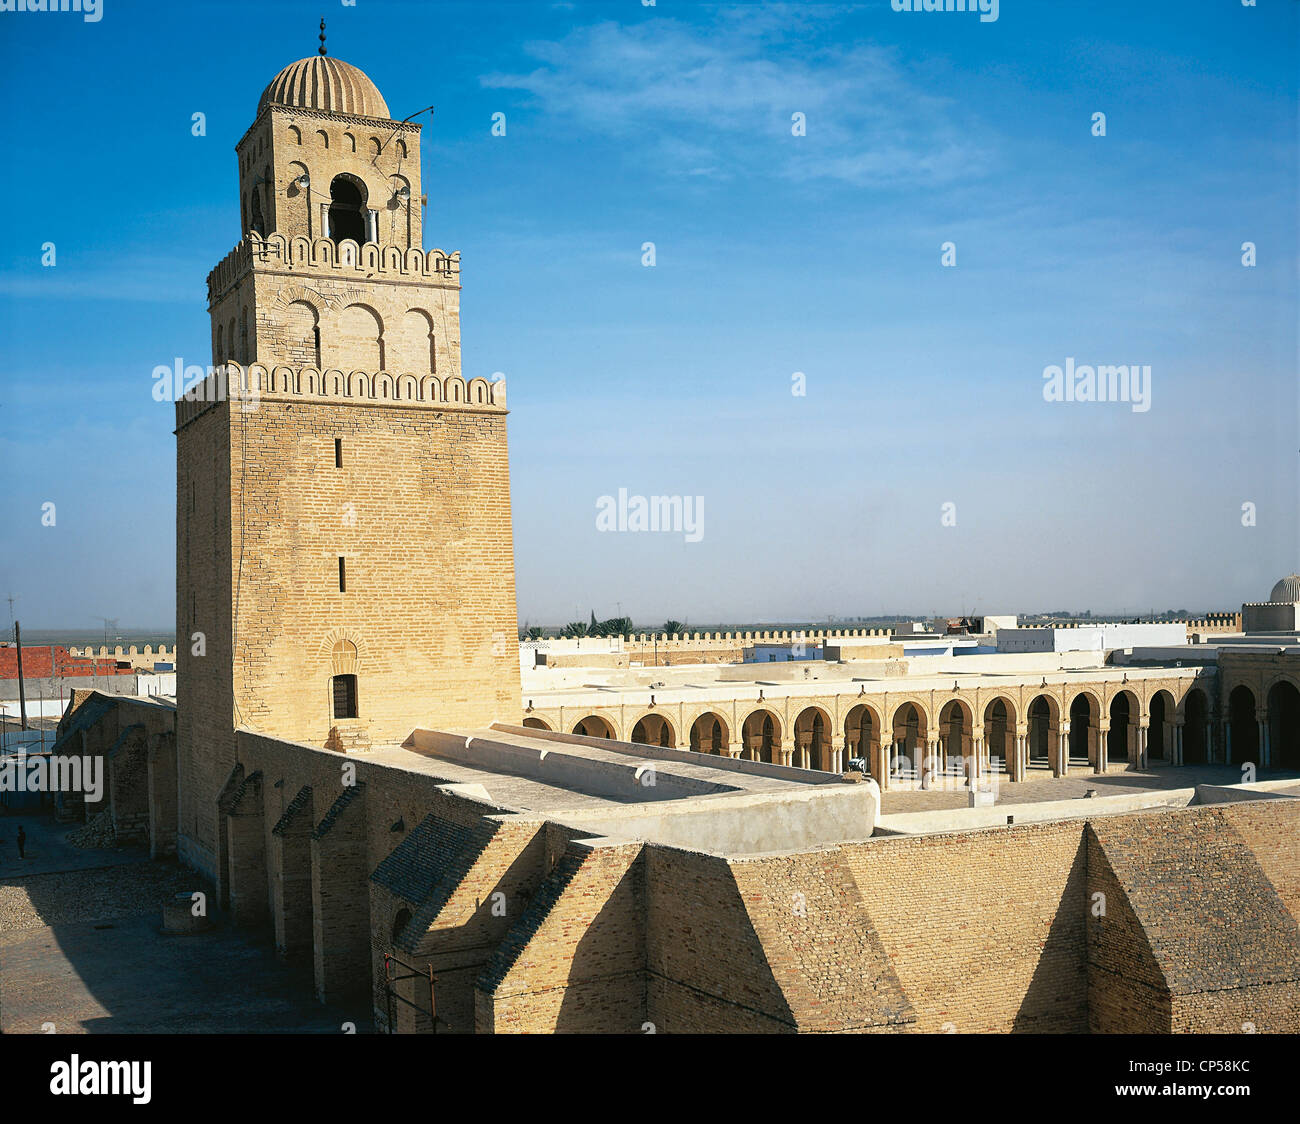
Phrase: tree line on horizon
(614,626)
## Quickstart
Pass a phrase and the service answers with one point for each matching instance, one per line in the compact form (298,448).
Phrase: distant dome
(1287,591)
(322,82)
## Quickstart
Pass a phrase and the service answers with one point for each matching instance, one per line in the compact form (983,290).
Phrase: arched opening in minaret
(347,213)
(259,221)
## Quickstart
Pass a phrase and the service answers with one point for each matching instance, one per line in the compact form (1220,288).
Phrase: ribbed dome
(1287,591)
(321,82)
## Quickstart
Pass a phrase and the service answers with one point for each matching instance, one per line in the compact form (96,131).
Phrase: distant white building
(1280,613)
(1090,637)
(993,624)
(912,628)
(151,683)
(783,653)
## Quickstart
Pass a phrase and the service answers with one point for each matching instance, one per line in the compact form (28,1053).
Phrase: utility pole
(22,691)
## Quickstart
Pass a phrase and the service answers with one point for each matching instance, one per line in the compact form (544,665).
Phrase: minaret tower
(344,560)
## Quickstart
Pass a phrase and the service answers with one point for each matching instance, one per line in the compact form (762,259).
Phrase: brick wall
(340,926)
(820,942)
(1200,917)
(1269,829)
(163,806)
(1127,991)
(433,628)
(705,965)
(575,960)
(205,702)
(127,768)
(246,843)
(44,661)
(984,929)
(289,863)
(473,908)
(420,511)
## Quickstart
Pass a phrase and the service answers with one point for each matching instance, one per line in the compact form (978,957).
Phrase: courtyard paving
(82,951)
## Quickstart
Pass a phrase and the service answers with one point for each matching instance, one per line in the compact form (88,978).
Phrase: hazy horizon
(137,634)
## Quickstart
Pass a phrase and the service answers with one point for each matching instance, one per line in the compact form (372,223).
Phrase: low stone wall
(999,815)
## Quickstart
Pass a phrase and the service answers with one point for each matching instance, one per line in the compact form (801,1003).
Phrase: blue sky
(775,254)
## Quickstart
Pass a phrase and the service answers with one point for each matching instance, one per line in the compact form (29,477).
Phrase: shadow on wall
(605,989)
(460,953)
(1056,1001)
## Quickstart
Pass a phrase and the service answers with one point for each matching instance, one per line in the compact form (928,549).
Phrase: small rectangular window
(343,576)
(345,696)
(338,452)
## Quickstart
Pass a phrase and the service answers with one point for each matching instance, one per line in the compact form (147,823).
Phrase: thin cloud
(718,101)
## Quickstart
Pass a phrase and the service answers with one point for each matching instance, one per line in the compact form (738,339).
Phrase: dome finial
(322,36)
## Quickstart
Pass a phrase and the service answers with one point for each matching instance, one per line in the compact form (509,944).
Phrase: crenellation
(309,257)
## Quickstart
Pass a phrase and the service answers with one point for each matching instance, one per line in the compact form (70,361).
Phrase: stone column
(930,762)
(1063,750)
(1265,746)
(880,764)
(1227,742)
(1099,766)
(1140,748)
(1209,742)
(1178,745)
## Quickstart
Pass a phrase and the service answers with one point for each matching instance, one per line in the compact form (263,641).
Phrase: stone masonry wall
(575,960)
(1214,931)
(420,511)
(1127,991)
(205,703)
(985,929)
(705,965)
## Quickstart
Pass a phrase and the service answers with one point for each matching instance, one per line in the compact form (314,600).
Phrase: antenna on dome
(322,50)
(391,135)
